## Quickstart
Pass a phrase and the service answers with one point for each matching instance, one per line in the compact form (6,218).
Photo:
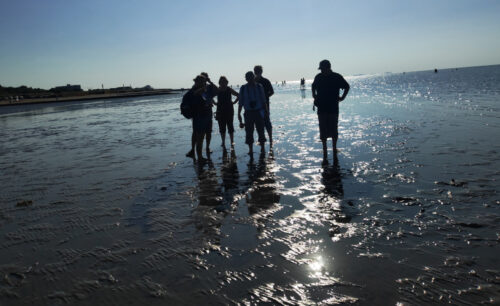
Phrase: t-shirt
(252,97)
(268,87)
(198,104)
(327,88)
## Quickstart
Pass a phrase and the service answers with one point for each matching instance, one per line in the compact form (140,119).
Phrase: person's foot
(190,153)
(202,160)
(209,151)
(325,162)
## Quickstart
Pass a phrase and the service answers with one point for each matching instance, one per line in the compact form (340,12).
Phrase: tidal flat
(99,205)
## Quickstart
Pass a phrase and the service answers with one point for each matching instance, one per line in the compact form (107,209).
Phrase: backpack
(186,106)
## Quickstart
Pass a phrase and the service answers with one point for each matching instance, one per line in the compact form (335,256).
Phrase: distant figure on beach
(325,91)
(268,92)
(302,83)
(225,111)
(201,113)
(435,70)
(208,95)
(253,100)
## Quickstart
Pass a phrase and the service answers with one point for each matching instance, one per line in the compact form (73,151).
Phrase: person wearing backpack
(194,106)
(208,94)
(325,91)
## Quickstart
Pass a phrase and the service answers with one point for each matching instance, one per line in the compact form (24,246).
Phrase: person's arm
(271,89)
(240,105)
(234,93)
(211,83)
(313,89)
(262,96)
(314,95)
(346,91)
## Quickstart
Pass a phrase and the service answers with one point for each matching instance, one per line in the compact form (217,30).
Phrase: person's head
(199,81)
(223,82)
(204,74)
(250,77)
(258,70)
(325,66)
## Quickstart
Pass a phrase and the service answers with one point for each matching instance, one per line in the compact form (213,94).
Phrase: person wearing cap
(253,100)
(326,93)
(268,91)
(210,91)
(202,113)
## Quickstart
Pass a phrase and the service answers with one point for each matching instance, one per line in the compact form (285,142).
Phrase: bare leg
(199,146)
(335,158)
(231,137)
(209,137)
(325,152)
(270,134)
(223,138)
(193,141)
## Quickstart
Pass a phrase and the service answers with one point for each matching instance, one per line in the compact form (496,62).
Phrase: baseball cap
(324,64)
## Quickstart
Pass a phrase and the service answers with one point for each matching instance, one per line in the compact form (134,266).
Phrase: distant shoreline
(90,97)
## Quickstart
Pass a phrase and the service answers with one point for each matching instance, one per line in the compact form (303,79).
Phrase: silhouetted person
(268,91)
(225,110)
(201,111)
(208,95)
(325,91)
(253,100)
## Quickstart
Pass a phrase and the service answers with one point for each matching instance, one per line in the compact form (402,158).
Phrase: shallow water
(409,214)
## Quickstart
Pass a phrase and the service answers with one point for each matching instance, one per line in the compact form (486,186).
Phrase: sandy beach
(89,97)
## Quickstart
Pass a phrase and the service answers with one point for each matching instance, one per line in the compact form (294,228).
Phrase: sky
(165,44)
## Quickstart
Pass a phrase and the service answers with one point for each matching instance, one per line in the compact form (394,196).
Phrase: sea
(99,205)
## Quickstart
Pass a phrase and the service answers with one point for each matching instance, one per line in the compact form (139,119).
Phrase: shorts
(226,120)
(328,125)
(254,120)
(202,124)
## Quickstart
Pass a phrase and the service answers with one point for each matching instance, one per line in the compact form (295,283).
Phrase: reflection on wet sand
(332,180)
(100,206)
(209,190)
(262,191)
(230,177)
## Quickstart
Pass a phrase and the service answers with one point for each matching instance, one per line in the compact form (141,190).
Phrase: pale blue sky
(166,43)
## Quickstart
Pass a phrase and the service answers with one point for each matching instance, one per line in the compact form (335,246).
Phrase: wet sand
(118,215)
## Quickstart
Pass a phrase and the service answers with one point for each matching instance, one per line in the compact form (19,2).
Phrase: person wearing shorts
(225,110)
(253,100)
(325,91)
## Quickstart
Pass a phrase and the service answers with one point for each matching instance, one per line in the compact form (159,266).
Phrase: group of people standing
(253,97)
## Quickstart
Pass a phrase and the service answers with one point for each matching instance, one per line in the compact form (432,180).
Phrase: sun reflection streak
(317,266)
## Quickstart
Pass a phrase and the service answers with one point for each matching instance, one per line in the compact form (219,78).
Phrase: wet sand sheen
(118,214)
